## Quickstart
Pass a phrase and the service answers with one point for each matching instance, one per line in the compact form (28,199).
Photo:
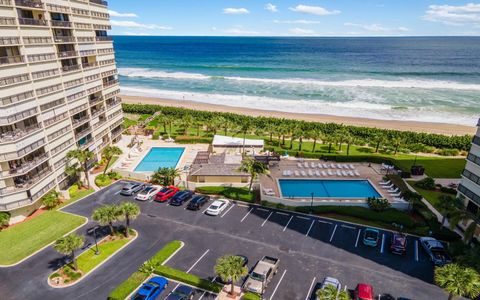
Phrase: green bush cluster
(187,278)
(235,193)
(251,296)
(103,180)
(426,184)
(378,204)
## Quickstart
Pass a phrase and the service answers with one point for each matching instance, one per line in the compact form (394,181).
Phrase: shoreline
(416,126)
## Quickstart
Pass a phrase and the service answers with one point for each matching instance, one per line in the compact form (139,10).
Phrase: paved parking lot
(309,248)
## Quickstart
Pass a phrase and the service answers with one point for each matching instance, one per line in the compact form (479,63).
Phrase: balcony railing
(25,167)
(15,117)
(7,21)
(86,145)
(56,23)
(79,121)
(8,60)
(104,38)
(6,2)
(65,54)
(27,183)
(95,100)
(110,83)
(30,3)
(32,22)
(64,39)
(82,133)
(98,112)
(114,103)
(71,68)
(89,65)
(17,134)
(6,41)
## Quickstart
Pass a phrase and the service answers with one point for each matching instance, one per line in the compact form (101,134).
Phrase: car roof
(331,280)
(372,230)
(217,202)
(364,290)
(399,239)
(183,289)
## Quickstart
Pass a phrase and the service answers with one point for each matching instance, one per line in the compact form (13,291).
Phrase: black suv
(197,202)
(181,197)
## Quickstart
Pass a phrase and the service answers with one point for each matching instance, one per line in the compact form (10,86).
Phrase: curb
(48,245)
(96,267)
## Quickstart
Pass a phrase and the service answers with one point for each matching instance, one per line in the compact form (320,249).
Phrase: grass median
(234,193)
(22,240)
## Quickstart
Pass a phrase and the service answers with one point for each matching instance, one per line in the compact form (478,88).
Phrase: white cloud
(454,15)
(235,11)
(271,7)
(240,30)
(301,31)
(314,10)
(376,28)
(122,15)
(131,24)
(295,22)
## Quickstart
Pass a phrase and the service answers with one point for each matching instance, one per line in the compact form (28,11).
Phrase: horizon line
(306,36)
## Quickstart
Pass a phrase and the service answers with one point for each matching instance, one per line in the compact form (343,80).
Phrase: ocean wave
(357,108)
(367,82)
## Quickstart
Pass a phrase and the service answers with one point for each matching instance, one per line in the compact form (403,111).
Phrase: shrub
(378,204)
(448,152)
(251,296)
(4,218)
(51,200)
(114,175)
(103,180)
(73,190)
(234,193)
(426,184)
(187,278)
(448,190)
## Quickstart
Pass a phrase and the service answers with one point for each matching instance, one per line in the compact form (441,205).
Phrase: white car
(332,282)
(217,207)
(148,192)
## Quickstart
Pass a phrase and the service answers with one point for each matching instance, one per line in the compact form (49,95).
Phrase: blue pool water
(158,158)
(327,188)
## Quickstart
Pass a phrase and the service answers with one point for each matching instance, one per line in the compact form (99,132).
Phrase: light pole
(311,204)
(94,229)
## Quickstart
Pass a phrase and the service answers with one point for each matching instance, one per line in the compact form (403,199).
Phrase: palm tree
(108,153)
(300,135)
(72,171)
(378,140)
(245,127)
(165,176)
(315,135)
(340,136)
(68,245)
(4,218)
(329,140)
(464,215)
(349,139)
(396,142)
(270,129)
(198,125)
(186,122)
(168,120)
(106,215)
(448,204)
(212,126)
(231,269)
(83,157)
(330,292)
(254,168)
(130,211)
(282,131)
(458,281)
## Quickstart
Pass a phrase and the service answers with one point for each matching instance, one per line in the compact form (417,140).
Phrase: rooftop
(220,140)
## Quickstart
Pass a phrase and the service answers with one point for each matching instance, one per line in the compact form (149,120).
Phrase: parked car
(148,192)
(217,207)
(181,197)
(371,237)
(331,281)
(151,289)
(245,262)
(166,193)
(363,292)
(197,202)
(131,188)
(261,275)
(183,292)
(436,251)
(398,244)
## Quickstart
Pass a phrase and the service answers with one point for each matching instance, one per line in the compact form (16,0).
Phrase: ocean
(431,79)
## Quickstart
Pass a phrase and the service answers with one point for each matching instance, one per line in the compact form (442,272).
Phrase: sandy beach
(440,128)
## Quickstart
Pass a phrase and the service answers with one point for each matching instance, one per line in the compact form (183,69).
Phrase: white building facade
(58,91)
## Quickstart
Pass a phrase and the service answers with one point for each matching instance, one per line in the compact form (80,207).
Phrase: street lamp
(94,229)
(311,204)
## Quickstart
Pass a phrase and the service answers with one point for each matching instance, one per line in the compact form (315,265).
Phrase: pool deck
(370,172)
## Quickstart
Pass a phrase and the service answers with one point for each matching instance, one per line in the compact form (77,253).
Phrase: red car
(166,193)
(363,292)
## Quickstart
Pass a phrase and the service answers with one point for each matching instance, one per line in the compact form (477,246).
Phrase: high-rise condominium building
(58,92)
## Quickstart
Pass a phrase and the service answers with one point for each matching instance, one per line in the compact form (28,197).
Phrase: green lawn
(433,197)
(88,260)
(114,159)
(76,196)
(25,238)
(234,193)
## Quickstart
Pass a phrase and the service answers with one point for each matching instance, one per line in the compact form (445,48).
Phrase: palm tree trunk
(165,127)
(348,149)
(450,296)
(110,225)
(314,144)
(396,150)
(329,147)
(85,168)
(251,182)
(271,137)
(106,166)
(243,146)
(300,144)
(198,130)
(225,130)
(127,226)
(232,288)
(283,139)
(74,259)
(378,146)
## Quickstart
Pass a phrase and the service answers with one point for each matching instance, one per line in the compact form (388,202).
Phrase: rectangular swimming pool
(159,157)
(348,189)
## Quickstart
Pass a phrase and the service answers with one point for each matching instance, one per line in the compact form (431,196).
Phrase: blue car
(371,237)
(151,289)
(181,197)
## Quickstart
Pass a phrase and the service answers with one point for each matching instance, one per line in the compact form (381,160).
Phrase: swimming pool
(159,157)
(349,189)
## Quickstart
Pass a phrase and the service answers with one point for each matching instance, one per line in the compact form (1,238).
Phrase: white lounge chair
(340,166)
(320,166)
(284,173)
(385,182)
(352,167)
(393,190)
(339,173)
(310,173)
(356,173)
(330,172)
(296,173)
(395,195)
(299,165)
(313,165)
(317,173)
(344,173)
(399,199)
(325,166)
(387,187)
(324,173)
(289,173)
(350,173)
(334,166)
(303,173)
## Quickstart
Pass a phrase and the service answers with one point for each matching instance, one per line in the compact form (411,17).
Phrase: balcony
(17,134)
(27,183)
(8,60)
(114,103)
(95,100)
(82,133)
(64,39)
(89,65)
(7,21)
(99,2)
(86,144)
(25,167)
(32,22)
(66,69)
(110,83)
(9,41)
(5,2)
(103,38)
(56,23)
(80,121)
(66,54)
(98,112)
(29,3)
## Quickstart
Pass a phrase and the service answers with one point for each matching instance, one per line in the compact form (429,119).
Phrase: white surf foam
(357,108)
(368,82)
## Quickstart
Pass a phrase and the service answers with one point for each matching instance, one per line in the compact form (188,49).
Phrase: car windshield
(371,235)
(213,207)
(164,190)
(399,241)
(257,276)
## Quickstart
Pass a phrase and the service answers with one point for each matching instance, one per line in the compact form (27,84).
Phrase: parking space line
(116,193)
(310,288)
(244,217)
(383,243)
(205,210)
(347,226)
(267,218)
(281,213)
(302,217)
(262,209)
(198,260)
(227,211)
(333,233)
(285,228)
(358,237)
(324,222)
(242,205)
(311,225)
(416,250)
(278,284)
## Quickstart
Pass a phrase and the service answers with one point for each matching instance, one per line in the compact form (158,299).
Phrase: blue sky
(295,18)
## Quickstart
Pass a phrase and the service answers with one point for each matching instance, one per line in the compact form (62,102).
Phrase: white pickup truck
(261,275)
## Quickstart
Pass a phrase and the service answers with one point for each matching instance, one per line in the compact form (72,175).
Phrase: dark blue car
(181,197)
(151,289)
(183,292)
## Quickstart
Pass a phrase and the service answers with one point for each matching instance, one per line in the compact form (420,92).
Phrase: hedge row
(187,278)
(234,193)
